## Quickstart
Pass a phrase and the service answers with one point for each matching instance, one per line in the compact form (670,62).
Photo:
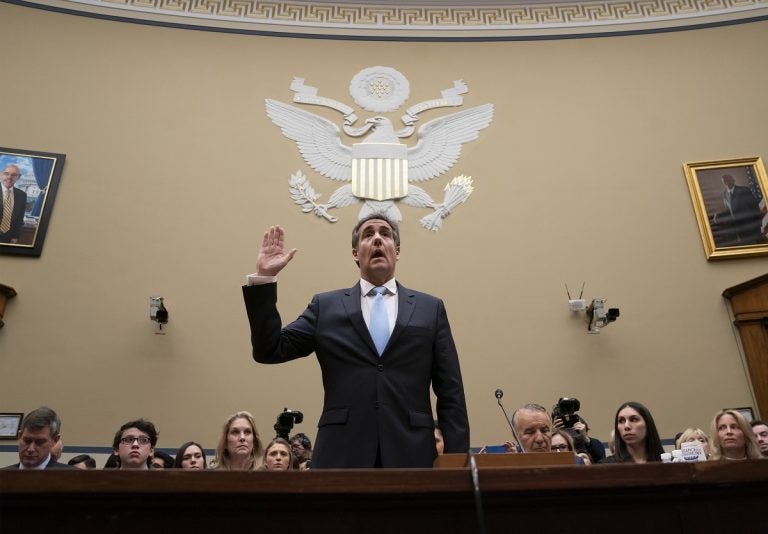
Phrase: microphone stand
(518,445)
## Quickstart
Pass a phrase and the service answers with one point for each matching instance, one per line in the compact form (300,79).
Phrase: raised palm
(272,256)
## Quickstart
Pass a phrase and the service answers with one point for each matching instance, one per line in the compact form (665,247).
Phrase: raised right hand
(272,256)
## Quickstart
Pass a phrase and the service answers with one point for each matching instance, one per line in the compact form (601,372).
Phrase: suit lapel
(405,306)
(351,301)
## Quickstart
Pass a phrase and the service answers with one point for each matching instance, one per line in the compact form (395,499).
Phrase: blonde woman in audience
(732,437)
(278,456)
(694,434)
(239,447)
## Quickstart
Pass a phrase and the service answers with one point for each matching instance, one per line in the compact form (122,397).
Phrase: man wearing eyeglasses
(134,444)
(13,203)
(40,431)
(302,449)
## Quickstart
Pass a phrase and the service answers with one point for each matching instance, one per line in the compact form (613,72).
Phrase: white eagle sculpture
(380,170)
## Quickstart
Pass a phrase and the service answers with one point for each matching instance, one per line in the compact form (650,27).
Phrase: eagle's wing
(440,141)
(318,139)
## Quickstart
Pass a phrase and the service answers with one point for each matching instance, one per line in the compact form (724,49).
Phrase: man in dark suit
(40,431)
(742,218)
(377,410)
(13,203)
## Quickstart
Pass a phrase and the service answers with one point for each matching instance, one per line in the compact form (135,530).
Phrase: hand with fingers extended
(272,256)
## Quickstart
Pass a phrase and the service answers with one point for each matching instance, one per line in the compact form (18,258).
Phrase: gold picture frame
(729,199)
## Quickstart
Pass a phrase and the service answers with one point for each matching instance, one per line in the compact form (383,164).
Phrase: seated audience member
(636,439)
(40,431)
(134,444)
(190,456)
(760,430)
(111,462)
(694,434)
(732,437)
(301,446)
(239,447)
(583,443)
(534,428)
(564,439)
(82,461)
(439,442)
(161,460)
(278,456)
(561,441)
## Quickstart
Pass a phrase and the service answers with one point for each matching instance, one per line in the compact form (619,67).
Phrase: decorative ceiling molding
(393,19)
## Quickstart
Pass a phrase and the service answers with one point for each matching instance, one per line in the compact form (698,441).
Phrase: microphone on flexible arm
(499,394)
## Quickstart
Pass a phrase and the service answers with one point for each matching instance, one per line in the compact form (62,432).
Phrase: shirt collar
(43,465)
(366,286)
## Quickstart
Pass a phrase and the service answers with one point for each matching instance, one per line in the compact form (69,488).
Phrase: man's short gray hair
(41,418)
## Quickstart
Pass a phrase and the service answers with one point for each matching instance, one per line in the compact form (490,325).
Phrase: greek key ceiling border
(386,18)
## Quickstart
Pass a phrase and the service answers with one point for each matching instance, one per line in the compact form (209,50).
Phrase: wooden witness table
(695,498)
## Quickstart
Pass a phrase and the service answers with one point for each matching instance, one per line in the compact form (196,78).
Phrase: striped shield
(379,170)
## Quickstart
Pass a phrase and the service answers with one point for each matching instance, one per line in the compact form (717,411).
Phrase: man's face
(134,449)
(728,181)
(376,252)
(10,175)
(299,451)
(35,445)
(535,430)
(761,435)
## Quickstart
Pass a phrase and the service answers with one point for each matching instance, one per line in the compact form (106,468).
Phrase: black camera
(566,409)
(285,422)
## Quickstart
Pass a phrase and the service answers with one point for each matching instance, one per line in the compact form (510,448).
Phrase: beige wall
(173,171)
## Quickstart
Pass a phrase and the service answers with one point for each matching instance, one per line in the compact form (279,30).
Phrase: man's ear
(397,253)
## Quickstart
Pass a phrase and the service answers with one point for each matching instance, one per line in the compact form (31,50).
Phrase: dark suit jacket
(744,218)
(53,464)
(17,218)
(373,405)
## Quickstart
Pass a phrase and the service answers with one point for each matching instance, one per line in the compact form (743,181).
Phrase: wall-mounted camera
(598,316)
(157,311)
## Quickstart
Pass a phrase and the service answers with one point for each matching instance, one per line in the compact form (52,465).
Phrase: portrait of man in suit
(741,220)
(380,347)
(13,205)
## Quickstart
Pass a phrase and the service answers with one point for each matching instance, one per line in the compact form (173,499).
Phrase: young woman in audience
(694,434)
(190,456)
(239,447)
(278,456)
(732,437)
(636,439)
(562,441)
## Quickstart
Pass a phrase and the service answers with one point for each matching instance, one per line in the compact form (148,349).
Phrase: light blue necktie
(379,321)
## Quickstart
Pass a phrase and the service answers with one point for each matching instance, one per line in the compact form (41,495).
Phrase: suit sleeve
(270,341)
(449,388)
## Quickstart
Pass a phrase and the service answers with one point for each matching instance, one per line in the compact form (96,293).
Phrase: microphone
(499,394)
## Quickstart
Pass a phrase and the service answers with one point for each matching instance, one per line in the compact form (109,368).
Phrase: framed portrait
(29,181)
(729,198)
(10,424)
(747,412)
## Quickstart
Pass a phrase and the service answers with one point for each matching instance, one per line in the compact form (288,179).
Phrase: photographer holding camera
(564,416)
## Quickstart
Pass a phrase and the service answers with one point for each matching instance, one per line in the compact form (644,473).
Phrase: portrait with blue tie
(380,346)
